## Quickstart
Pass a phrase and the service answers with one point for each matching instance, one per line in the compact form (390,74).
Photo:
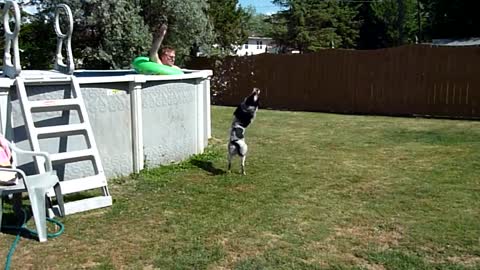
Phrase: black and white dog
(242,117)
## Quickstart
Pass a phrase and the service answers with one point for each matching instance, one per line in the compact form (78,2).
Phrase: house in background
(256,45)
(456,42)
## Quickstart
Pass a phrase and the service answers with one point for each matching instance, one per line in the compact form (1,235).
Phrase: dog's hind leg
(229,158)
(243,165)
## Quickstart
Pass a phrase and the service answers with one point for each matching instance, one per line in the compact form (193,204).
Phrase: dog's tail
(241,147)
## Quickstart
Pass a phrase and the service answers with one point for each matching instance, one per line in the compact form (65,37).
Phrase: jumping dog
(242,117)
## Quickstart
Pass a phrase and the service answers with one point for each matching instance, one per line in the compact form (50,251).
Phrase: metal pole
(419,18)
(401,21)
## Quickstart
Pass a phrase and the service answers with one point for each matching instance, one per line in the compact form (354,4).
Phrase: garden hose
(32,232)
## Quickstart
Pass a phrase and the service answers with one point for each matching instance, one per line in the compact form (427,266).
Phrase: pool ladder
(74,103)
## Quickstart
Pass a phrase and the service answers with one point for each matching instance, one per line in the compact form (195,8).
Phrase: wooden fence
(409,80)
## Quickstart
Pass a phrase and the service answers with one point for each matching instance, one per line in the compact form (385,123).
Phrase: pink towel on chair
(6,178)
(5,154)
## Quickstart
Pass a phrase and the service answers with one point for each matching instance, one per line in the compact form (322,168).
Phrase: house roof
(263,38)
(457,42)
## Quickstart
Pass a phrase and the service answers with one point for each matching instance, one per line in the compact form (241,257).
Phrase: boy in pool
(167,54)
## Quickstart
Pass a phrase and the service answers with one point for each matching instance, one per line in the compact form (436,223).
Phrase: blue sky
(262,6)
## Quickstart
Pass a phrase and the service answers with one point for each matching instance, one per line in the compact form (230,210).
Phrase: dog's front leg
(243,165)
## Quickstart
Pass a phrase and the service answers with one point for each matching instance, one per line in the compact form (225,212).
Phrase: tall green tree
(372,31)
(258,24)
(398,19)
(310,25)
(230,23)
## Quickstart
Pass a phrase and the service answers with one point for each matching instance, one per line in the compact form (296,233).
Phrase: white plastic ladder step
(81,184)
(61,130)
(72,156)
(53,104)
(46,80)
(83,205)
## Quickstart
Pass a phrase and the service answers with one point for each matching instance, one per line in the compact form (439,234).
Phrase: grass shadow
(207,166)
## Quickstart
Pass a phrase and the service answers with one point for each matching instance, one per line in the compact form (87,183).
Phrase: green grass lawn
(322,191)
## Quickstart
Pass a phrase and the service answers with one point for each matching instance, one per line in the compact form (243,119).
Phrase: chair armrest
(48,161)
(22,173)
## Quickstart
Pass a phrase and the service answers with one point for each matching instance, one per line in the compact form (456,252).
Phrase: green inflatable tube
(143,65)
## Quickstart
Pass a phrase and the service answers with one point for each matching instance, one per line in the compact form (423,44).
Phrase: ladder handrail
(11,61)
(64,39)
(10,69)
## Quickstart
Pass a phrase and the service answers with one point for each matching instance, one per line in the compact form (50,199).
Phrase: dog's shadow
(208,166)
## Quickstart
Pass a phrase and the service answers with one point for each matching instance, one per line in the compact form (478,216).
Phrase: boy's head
(167,56)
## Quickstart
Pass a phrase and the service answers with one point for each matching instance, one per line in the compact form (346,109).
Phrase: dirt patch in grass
(438,255)
(345,242)
(236,252)
(327,252)
(237,249)
(467,260)
(243,188)
(370,186)
(385,239)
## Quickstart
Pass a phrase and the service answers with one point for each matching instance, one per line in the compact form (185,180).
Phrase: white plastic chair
(37,187)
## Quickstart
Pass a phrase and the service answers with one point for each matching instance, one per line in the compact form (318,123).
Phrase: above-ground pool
(137,120)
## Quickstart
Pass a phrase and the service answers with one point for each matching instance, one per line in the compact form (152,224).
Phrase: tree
(37,43)
(399,20)
(372,31)
(258,24)
(107,33)
(310,25)
(230,23)
(189,28)
(452,18)
(280,31)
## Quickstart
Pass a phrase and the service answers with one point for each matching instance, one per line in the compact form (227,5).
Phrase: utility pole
(401,21)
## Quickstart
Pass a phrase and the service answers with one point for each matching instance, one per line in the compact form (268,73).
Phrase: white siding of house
(255,45)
